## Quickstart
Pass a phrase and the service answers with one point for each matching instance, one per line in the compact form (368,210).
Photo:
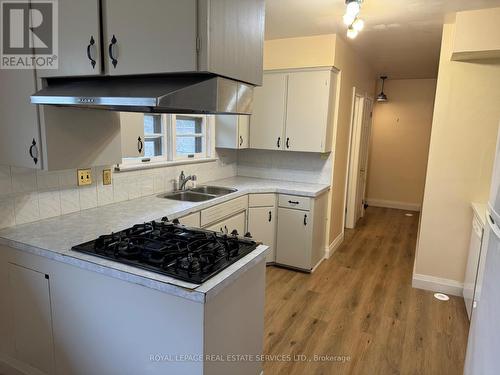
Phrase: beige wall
(300,52)
(354,72)
(400,144)
(464,129)
(328,50)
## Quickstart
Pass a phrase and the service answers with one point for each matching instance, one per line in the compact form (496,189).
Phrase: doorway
(358,158)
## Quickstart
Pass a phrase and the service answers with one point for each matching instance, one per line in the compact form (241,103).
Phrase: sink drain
(441,297)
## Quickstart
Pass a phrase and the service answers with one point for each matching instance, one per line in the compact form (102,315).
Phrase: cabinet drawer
(222,210)
(292,201)
(191,220)
(261,200)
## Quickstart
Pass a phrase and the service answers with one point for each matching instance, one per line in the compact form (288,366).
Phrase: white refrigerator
(483,348)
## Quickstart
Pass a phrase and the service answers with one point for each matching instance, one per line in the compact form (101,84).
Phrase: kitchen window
(173,138)
(189,137)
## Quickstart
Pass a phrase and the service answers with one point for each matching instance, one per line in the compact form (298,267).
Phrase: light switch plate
(84,177)
(106,177)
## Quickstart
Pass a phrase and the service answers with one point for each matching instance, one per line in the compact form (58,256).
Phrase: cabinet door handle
(288,143)
(270,216)
(33,150)
(241,140)
(279,142)
(293,202)
(114,61)
(89,55)
(305,219)
(140,145)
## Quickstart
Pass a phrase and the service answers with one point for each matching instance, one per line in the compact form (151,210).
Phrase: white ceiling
(402,38)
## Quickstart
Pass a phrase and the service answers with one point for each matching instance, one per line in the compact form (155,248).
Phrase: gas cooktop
(171,249)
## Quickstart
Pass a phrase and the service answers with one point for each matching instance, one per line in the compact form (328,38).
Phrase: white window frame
(168,135)
(204,135)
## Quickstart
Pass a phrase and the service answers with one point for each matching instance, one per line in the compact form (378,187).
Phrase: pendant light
(382,97)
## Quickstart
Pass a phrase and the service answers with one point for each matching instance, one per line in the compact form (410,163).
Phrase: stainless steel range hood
(178,93)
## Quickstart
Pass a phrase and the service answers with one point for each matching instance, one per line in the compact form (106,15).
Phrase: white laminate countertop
(54,238)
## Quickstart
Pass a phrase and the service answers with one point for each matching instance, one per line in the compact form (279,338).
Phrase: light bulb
(353,8)
(358,24)
(348,19)
(351,33)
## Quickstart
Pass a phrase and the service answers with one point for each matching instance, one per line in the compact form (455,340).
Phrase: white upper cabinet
(231,131)
(294,111)
(231,38)
(19,127)
(79,40)
(224,37)
(149,36)
(268,118)
(307,115)
(132,134)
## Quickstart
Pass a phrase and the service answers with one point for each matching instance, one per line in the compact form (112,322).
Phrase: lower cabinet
(191,220)
(294,238)
(301,231)
(262,220)
(31,317)
(236,222)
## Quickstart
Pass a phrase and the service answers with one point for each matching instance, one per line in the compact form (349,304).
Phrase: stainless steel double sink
(199,194)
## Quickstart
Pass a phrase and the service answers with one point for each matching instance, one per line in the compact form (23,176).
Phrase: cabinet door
(268,117)
(132,133)
(191,220)
(294,238)
(19,126)
(149,36)
(232,38)
(226,131)
(307,111)
(237,222)
(243,131)
(262,227)
(31,318)
(79,39)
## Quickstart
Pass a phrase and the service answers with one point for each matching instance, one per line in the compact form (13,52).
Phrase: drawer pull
(293,202)
(270,216)
(305,219)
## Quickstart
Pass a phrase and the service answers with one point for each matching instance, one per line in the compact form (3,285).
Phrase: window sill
(160,164)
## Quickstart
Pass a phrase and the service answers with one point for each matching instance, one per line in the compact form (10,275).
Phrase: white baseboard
(437,284)
(394,204)
(334,245)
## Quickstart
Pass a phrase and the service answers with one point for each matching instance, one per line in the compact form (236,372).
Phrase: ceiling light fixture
(351,18)
(382,97)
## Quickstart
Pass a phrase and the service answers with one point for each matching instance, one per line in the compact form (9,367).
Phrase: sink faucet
(183,180)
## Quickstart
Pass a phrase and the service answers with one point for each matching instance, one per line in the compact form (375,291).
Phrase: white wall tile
(105,195)
(23,180)
(5,181)
(88,196)
(70,200)
(26,207)
(147,185)
(47,180)
(68,178)
(159,183)
(120,188)
(49,203)
(7,212)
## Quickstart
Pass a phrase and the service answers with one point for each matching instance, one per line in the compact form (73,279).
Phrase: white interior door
(363,156)
(353,185)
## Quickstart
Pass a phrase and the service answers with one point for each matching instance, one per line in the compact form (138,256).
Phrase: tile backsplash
(27,195)
(289,166)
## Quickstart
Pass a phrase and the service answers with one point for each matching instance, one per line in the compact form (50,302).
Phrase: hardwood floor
(360,304)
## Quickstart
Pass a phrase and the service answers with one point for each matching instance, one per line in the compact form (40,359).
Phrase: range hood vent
(173,93)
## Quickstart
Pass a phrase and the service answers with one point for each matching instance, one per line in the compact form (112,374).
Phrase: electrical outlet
(106,177)
(84,177)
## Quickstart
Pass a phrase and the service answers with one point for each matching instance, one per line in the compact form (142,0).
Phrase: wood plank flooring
(360,304)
